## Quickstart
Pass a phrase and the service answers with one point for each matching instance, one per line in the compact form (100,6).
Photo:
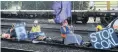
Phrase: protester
(65,29)
(69,37)
(10,33)
(99,28)
(35,33)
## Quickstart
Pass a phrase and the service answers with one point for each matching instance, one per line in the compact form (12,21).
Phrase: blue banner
(62,10)
(57,7)
(104,39)
(20,31)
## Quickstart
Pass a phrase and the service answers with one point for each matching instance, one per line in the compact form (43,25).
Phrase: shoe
(48,39)
(35,41)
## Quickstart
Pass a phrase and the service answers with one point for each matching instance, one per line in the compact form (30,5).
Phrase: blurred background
(47,5)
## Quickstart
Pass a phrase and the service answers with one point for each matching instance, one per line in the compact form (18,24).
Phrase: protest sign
(20,31)
(104,39)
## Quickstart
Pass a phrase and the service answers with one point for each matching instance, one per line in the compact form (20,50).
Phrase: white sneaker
(35,41)
(48,38)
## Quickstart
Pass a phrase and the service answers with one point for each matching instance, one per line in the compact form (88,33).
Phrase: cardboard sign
(104,39)
(20,31)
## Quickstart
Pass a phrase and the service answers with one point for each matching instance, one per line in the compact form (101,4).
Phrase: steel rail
(57,43)
(53,11)
(54,29)
(5,49)
(62,45)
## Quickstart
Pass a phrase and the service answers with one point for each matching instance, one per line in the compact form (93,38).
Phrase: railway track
(57,43)
(45,24)
(6,49)
(41,21)
(48,29)
(64,46)
(42,47)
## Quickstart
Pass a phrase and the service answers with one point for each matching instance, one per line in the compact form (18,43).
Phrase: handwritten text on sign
(104,39)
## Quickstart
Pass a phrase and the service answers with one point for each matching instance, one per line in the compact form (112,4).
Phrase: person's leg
(36,34)
(41,36)
(41,33)
(63,37)
(13,35)
(32,36)
(63,41)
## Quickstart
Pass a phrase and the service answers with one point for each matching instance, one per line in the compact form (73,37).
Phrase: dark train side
(77,15)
